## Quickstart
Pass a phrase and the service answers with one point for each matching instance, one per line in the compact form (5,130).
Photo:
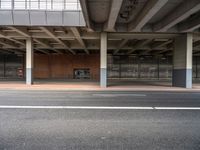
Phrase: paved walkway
(119,85)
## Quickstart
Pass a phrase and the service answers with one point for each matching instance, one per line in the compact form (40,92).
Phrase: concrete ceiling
(99,10)
(134,27)
(73,40)
(141,15)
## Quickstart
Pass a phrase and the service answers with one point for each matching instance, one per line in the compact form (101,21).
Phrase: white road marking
(97,107)
(116,95)
(177,108)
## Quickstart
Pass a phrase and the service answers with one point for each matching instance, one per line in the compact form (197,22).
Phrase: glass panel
(113,67)
(79,6)
(113,71)
(133,64)
(58,4)
(19,4)
(129,67)
(71,5)
(6,4)
(165,67)
(49,4)
(139,67)
(43,4)
(34,4)
(148,67)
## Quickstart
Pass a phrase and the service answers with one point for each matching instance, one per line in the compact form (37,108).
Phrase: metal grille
(148,67)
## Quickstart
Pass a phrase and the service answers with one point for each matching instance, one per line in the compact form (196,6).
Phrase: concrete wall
(62,66)
(41,18)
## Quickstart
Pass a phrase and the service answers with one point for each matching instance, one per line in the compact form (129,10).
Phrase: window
(20,4)
(6,4)
(41,4)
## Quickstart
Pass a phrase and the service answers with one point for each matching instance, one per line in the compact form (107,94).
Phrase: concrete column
(103,59)
(29,61)
(182,59)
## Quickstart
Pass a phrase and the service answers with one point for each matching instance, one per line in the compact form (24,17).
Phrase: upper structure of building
(175,16)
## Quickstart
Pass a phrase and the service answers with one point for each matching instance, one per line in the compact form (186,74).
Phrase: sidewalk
(94,86)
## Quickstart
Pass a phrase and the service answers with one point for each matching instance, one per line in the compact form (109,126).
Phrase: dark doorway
(82,73)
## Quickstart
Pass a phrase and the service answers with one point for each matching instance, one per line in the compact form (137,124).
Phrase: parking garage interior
(134,60)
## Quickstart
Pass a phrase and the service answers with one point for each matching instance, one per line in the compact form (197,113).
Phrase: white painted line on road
(116,95)
(70,107)
(177,108)
(97,107)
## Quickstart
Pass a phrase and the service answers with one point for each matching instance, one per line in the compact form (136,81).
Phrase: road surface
(54,120)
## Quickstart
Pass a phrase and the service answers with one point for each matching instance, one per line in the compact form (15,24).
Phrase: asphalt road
(99,129)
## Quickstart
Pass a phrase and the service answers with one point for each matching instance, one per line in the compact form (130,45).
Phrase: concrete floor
(88,85)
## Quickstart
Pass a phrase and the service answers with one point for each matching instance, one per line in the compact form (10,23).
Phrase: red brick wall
(62,66)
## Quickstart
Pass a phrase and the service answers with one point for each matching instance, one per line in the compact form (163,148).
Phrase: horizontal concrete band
(41,18)
(103,77)
(182,78)
(29,75)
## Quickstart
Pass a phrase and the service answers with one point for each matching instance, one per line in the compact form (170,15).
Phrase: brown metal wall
(62,66)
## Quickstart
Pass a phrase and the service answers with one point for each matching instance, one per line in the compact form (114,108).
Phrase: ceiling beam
(96,47)
(46,45)
(4,51)
(12,50)
(51,33)
(84,35)
(196,44)
(7,43)
(114,12)
(149,10)
(124,41)
(3,35)
(139,44)
(190,25)
(146,52)
(162,51)
(157,45)
(180,13)
(85,10)
(21,30)
(79,39)
(140,36)
(43,51)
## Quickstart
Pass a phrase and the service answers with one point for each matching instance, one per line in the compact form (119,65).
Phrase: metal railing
(40,4)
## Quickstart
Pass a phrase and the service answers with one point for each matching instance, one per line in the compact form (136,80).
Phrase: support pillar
(29,61)
(103,59)
(182,59)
